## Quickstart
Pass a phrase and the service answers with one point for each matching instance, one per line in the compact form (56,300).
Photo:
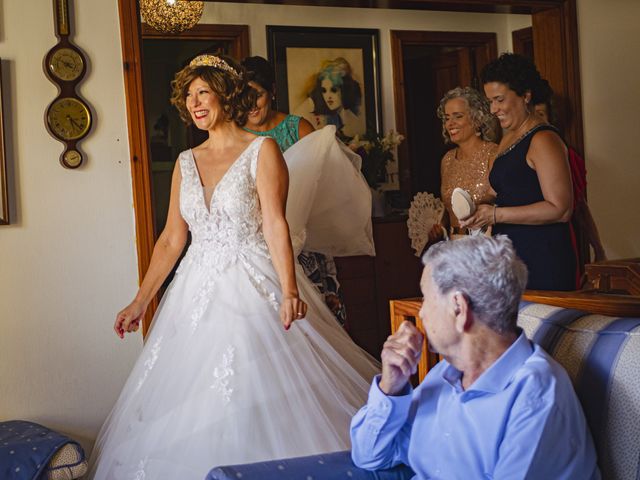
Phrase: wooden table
(614,276)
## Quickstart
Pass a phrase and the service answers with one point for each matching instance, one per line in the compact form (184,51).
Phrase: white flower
(390,140)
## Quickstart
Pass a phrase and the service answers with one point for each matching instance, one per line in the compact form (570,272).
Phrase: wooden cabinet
(368,283)
(614,276)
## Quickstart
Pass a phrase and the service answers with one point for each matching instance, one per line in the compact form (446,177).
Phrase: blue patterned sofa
(596,339)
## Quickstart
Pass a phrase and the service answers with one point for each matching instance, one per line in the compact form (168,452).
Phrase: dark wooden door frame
(238,35)
(404,38)
(555,30)
(520,38)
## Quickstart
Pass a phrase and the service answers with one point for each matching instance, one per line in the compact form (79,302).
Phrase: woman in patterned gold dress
(467,123)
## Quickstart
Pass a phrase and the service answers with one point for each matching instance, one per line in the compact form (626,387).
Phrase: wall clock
(68,118)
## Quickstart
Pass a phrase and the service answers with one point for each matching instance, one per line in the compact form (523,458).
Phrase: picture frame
(345,59)
(4,194)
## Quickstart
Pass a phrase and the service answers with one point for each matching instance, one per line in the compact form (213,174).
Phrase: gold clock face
(72,158)
(66,64)
(69,118)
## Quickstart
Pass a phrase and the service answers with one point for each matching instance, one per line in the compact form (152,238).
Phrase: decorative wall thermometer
(68,117)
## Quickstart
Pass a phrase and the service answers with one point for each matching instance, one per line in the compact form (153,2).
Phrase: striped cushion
(602,356)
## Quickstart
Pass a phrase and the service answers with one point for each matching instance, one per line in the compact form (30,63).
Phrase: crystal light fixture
(171,16)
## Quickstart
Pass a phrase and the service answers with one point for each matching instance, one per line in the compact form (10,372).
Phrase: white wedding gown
(219,381)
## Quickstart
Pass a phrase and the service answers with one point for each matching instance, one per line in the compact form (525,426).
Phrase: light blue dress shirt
(520,419)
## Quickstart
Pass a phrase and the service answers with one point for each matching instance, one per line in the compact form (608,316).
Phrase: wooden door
(425,66)
(428,79)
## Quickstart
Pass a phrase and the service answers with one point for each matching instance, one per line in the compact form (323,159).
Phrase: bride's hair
(229,84)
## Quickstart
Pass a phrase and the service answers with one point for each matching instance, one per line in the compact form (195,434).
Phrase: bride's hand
(128,319)
(291,309)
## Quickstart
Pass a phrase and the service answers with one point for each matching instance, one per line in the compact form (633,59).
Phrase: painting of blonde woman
(332,95)
(328,76)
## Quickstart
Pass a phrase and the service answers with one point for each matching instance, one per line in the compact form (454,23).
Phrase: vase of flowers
(377,152)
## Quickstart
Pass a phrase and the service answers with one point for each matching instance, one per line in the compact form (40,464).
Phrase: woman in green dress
(286,130)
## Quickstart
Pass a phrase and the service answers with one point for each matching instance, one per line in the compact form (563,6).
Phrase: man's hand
(400,355)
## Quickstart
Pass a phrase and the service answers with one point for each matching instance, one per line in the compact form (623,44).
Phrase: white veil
(329,203)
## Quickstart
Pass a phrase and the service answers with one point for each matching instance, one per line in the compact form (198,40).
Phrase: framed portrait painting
(330,76)
(4,196)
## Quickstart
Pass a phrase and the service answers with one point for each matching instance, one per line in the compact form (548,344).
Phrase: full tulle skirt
(233,386)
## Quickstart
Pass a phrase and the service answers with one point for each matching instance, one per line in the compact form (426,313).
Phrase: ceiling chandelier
(171,16)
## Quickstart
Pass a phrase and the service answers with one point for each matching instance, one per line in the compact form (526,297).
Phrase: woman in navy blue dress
(530,175)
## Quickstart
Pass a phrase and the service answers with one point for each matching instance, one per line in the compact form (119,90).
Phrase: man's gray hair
(487,271)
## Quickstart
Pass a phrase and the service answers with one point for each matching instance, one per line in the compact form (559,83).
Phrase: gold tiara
(213,61)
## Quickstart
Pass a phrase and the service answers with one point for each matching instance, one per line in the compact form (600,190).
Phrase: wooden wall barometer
(68,118)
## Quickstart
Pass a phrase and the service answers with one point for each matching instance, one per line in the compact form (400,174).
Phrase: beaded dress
(219,381)
(471,175)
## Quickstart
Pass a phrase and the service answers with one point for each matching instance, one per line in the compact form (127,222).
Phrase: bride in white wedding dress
(226,375)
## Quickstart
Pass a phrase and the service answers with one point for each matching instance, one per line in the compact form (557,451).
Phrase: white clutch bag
(462,203)
(463,207)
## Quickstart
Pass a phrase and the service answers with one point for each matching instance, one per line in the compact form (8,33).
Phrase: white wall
(259,16)
(68,261)
(610,71)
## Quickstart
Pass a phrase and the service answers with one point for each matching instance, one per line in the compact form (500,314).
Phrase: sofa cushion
(29,450)
(329,466)
(602,356)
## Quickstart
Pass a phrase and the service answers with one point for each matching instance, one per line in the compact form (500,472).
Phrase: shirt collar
(499,375)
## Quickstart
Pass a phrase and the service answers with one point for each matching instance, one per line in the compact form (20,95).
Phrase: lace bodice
(232,225)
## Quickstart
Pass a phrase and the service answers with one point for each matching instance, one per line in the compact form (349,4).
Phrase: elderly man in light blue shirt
(497,406)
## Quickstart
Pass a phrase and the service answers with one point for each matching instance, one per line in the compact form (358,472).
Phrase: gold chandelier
(171,16)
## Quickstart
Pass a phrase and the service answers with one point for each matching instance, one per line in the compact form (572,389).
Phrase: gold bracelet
(494,213)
